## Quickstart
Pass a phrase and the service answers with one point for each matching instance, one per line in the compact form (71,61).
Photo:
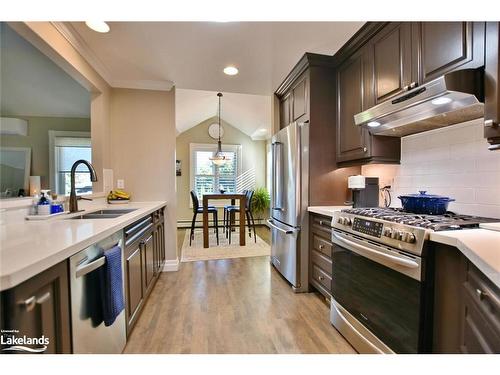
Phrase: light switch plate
(120,184)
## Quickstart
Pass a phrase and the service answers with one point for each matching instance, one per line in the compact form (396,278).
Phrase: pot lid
(423,194)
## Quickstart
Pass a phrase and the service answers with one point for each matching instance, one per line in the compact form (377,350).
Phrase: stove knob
(410,237)
(387,232)
(394,234)
(347,221)
(340,220)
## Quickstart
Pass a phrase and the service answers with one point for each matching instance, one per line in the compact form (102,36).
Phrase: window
(207,177)
(65,149)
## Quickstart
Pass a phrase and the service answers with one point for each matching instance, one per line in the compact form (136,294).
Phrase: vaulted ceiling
(249,113)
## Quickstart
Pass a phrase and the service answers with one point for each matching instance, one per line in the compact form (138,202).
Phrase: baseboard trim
(171,265)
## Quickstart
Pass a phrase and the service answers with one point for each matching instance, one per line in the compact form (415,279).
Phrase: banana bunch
(118,195)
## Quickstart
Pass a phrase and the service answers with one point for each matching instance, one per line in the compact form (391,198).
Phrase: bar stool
(199,210)
(248,213)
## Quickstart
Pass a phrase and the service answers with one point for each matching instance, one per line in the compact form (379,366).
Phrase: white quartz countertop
(480,246)
(30,247)
(326,210)
(490,226)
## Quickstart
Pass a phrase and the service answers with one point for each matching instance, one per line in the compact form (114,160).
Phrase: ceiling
(249,113)
(191,55)
(33,85)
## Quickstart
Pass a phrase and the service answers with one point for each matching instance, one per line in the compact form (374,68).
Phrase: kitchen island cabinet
(144,260)
(40,307)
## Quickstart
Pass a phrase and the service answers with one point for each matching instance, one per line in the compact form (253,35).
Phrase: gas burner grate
(447,221)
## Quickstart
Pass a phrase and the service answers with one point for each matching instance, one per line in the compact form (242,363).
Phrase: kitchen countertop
(30,247)
(480,246)
(326,210)
(490,226)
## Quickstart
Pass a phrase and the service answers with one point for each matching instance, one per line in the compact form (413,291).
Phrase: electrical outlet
(120,184)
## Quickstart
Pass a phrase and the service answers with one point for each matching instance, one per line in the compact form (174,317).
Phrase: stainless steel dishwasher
(90,335)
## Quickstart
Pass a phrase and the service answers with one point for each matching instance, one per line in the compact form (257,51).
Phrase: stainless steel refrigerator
(289,201)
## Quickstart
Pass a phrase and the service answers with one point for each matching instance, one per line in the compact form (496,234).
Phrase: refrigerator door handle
(285,231)
(277,177)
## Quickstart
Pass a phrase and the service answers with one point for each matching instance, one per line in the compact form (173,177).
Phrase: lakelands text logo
(12,342)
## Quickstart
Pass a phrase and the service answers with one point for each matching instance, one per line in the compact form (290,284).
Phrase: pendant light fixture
(219,158)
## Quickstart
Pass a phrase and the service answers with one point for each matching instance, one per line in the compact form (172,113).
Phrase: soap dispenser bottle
(44,204)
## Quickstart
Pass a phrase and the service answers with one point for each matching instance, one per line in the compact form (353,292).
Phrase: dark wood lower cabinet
(320,254)
(466,306)
(145,257)
(40,307)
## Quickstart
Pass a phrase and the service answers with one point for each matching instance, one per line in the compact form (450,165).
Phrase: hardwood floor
(233,306)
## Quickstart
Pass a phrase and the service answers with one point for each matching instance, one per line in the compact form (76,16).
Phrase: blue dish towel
(112,288)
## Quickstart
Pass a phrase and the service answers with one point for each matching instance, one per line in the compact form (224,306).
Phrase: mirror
(44,123)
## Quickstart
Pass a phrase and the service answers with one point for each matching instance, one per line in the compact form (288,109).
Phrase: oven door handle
(360,249)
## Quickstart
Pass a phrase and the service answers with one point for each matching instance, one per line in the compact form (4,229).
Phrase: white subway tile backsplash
(453,161)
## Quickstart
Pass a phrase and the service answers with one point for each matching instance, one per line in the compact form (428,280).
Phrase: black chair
(199,210)
(248,213)
(226,215)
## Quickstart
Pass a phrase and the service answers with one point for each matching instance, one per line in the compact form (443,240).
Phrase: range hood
(450,99)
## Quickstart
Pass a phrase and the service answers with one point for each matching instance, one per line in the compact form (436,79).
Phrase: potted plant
(260,203)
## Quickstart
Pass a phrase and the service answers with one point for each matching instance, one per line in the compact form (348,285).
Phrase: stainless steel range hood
(450,99)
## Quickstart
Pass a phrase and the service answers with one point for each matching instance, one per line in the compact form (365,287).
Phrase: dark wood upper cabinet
(392,65)
(352,140)
(441,47)
(492,85)
(285,110)
(40,306)
(300,92)
(355,93)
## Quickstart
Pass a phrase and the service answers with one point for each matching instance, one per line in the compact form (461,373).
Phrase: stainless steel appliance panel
(90,335)
(284,250)
(286,154)
(381,293)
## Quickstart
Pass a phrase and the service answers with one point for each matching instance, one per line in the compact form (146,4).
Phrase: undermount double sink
(104,214)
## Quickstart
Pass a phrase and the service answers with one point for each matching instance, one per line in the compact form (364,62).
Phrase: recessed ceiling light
(441,100)
(99,26)
(373,124)
(230,70)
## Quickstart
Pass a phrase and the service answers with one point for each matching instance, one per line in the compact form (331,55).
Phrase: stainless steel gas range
(382,277)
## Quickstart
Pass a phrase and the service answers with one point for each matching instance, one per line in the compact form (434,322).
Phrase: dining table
(233,197)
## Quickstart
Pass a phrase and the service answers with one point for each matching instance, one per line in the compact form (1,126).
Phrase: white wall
(453,161)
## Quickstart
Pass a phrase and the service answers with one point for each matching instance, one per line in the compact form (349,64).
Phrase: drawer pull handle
(43,298)
(481,295)
(321,278)
(29,304)
(321,247)
(321,222)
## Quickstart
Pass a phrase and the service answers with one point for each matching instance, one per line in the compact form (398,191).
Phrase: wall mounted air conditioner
(13,126)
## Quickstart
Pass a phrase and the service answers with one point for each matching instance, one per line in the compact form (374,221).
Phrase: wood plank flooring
(233,306)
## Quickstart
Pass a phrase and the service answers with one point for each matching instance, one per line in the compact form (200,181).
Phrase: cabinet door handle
(480,294)
(29,304)
(365,149)
(321,247)
(43,298)
(321,278)
(489,124)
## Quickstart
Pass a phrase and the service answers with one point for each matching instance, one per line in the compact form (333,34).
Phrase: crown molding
(143,84)
(74,38)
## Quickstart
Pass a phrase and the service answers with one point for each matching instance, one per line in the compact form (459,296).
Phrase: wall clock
(213,131)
